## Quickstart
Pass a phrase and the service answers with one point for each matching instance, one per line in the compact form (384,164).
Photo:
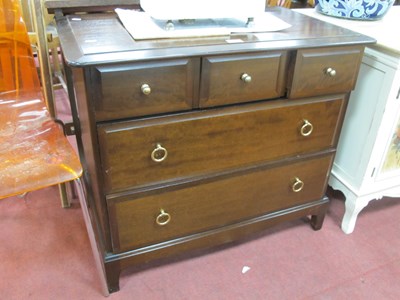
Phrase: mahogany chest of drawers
(192,143)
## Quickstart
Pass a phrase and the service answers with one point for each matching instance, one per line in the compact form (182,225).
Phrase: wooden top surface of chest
(99,38)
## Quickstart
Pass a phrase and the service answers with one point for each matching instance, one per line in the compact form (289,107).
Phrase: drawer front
(145,220)
(145,88)
(162,149)
(325,71)
(242,78)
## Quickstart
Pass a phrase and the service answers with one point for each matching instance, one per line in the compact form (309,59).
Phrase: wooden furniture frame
(182,150)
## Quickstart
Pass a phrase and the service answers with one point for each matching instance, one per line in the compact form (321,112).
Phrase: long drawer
(158,217)
(162,149)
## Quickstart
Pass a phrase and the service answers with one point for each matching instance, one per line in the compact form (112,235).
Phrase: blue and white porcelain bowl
(354,9)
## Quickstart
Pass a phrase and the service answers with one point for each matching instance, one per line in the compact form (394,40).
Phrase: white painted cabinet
(367,164)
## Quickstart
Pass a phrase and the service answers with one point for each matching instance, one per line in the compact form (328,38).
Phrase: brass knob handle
(246,78)
(297,185)
(146,90)
(307,128)
(331,72)
(159,153)
(163,218)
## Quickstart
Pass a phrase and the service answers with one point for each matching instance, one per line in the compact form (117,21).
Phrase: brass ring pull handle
(307,128)
(145,88)
(163,218)
(246,78)
(297,185)
(159,154)
(331,72)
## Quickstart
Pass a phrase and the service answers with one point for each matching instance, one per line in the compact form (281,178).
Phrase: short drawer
(128,90)
(159,217)
(239,78)
(325,71)
(163,149)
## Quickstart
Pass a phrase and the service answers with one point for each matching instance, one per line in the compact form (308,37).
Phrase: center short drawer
(227,79)
(158,217)
(164,149)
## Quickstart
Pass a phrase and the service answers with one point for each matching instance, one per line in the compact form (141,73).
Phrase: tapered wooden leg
(318,219)
(113,272)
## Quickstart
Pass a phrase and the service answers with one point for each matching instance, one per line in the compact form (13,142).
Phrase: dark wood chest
(192,143)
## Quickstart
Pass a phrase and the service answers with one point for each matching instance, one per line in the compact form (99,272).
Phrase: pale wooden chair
(34,152)
(45,42)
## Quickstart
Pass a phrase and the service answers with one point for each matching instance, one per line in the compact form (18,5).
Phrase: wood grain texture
(233,150)
(89,155)
(221,81)
(311,76)
(217,203)
(68,6)
(101,38)
(206,142)
(173,85)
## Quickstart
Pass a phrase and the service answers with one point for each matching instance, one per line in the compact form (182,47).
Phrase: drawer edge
(195,180)
(218,236)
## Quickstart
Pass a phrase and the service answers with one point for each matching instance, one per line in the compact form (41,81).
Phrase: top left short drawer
(138,89)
